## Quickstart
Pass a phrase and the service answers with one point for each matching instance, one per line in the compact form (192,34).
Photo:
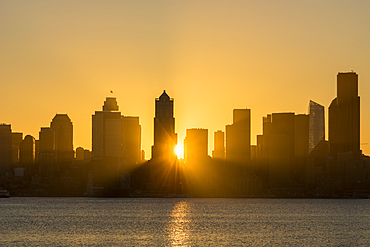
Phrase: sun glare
(178,151)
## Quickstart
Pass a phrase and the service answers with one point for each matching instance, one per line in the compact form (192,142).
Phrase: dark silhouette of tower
(219,145)
(62,126)
(316,124)
(238,137)
(27,155)
(195,145)
(17,138)
(114,135)
(165,138)
(107,130)
(5,149)
(344,117)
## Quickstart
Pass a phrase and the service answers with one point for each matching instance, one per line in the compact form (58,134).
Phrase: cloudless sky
(210,56)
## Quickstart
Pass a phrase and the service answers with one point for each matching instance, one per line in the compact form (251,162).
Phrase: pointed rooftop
(164,96)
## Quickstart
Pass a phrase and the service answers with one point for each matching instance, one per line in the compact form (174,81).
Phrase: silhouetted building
(5,149)
(17,138)
(131,140)
(195,145)
(316,124)
(114,135)
(27,155)
(163,167)
(165,138)
(47,157)
(107,130)
(80,153)
(219,145)
(238,137)
(279,141)
(344,117)
(62,126)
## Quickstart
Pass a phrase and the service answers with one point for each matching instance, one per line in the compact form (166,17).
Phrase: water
(183,222)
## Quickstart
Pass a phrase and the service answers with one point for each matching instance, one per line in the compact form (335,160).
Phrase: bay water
(46,221)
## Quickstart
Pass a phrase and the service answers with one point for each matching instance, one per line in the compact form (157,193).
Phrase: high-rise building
(278,145)
(195,145)
(165,138)
(131,140)
(27,150)
(5,149)
(17,138)
(219,145)
(62,127)
(46,155)
(316,124)
(107,130)
(238,137)
(344,117)
(114,135)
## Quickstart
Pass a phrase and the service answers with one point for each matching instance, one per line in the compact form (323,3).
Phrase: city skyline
(64,57)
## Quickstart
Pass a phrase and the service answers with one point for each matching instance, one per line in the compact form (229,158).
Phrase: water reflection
(179,224)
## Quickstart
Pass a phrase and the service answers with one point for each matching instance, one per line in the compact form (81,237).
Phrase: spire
(164,96)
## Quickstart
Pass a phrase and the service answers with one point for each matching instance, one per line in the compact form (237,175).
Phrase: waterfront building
(5,149)
(344,117)
(107,130)
(195,145)
(238,137)
(17,138)
(316,124)
(46,152)
(165,138)
(62,127)
(219,145)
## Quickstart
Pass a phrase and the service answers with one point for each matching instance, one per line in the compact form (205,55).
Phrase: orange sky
(211,56)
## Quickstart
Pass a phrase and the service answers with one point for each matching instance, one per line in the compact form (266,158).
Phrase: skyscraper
(46,152)
(238,137)
(219,145)
(62,127)
(114,135)
(107,130)
(17,138)
(344,117)
(195,145)
(316,124)
(131,139)
(5,149)
(165,138)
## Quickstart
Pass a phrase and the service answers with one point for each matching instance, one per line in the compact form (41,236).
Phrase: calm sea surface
(183,222)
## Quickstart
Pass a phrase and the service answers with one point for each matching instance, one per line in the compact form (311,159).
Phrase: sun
(178,151)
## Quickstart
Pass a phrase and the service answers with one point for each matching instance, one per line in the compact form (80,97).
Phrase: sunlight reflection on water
(179,224)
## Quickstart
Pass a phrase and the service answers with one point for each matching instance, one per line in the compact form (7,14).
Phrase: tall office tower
(195,145)
(5,149)
(279,142)
(46,152)
(131,140)
(17,138)
(114,135)
(27,155)
(344,117)
(219,145)
(238,137)
(165,138)
(301,135)
(316,124)
(63,129)
(107,130)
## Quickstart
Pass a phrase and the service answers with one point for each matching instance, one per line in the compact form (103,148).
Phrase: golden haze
(210,56)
